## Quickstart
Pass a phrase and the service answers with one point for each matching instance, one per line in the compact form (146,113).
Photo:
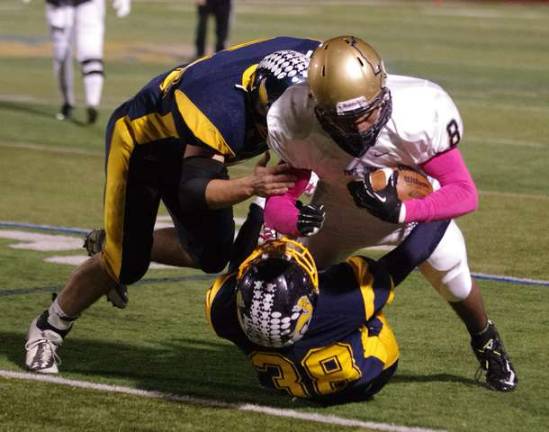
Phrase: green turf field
(490,56)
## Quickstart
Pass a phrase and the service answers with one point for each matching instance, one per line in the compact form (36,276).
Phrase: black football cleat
(92,115)
(65,112)
(495,364)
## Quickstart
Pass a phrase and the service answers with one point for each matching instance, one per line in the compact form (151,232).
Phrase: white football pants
(83,26)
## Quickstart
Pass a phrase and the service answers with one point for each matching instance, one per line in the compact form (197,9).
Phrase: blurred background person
(79,25)
(221,10)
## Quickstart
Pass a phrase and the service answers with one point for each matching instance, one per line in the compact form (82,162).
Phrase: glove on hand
(384,204)
(310,219)
(121,7)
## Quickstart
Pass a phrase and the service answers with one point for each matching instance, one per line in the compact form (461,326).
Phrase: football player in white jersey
(80,23)
(350,118)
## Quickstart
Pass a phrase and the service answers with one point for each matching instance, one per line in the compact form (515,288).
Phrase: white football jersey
(423,123)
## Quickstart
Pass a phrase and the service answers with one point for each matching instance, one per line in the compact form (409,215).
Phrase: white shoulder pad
(424,117)
(289,118)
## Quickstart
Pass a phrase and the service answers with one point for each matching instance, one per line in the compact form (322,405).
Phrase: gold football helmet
(347,80)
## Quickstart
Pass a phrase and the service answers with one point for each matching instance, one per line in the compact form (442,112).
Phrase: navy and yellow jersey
(347,348)
(204,103)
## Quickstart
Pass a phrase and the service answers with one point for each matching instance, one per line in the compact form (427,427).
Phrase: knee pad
(137,272)
(92,67)
(125,270)
(210,238)
(447,269)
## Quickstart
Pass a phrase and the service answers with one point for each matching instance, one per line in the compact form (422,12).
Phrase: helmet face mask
(276,292)
(274,74)
(347,82)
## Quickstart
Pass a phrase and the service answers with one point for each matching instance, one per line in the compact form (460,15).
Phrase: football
(411,184)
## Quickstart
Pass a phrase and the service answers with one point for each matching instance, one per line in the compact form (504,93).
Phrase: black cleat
(494,361)
(92,115)
(65,112)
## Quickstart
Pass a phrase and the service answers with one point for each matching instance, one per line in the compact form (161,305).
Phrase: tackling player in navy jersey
(171,143)
(316,335)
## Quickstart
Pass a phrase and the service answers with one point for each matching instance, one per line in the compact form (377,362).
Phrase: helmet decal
(274,74)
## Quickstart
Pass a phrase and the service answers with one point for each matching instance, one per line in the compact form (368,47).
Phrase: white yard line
(536,197)
(50,149)
(261,409)
(508,142)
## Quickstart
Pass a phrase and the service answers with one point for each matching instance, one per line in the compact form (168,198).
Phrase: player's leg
(167,246)
(203,12)
(222,11)
(89,33)
(131,203)
(206,235)
(60,22)
(448,271)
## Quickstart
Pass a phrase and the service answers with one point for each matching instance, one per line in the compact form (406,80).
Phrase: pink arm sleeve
(457,196)
(280,210)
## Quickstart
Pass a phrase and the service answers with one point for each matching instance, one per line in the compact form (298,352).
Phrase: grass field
(490,56)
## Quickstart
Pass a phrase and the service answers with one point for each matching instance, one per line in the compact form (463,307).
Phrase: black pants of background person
(221,9)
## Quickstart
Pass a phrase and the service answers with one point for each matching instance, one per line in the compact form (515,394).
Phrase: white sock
(59,319)
(93,87)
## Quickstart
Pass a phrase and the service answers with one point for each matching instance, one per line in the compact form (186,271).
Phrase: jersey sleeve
(221,308)
(426,118)
(443,125)
(448,125)
(457,195)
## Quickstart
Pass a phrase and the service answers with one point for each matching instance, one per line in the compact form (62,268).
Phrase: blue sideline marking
(46,228)
(56,288)
(83,231)
(510,279)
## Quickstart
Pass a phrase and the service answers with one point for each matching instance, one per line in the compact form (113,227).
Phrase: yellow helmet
(347,81)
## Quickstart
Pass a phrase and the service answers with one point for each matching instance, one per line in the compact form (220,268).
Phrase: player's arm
(286,215)
(205,182)
(415,249)
(220,306)
(248,235)
(457,195)
(442,160)
(376,279)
